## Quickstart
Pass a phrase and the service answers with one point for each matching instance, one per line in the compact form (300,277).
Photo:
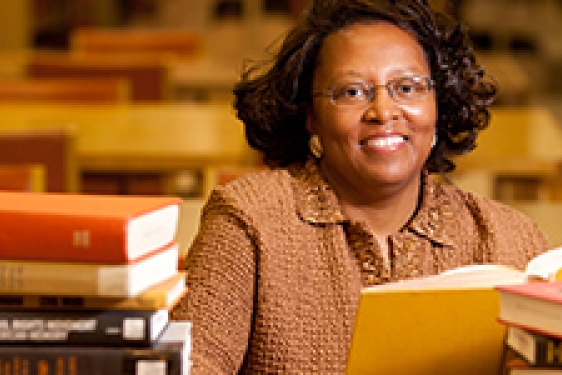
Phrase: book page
(472,276)
(546,266)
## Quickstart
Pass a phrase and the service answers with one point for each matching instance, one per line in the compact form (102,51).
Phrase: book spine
(56,360)
(163,295)
(107,327)
(540,350)
(548,351)
(107,280)
(85,237)
(64,238)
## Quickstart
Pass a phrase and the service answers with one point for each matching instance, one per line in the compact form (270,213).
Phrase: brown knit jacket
(276,269)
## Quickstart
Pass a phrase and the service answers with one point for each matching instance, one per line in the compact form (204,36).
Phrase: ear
(310,126)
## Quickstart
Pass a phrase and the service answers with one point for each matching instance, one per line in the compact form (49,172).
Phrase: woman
(364,99)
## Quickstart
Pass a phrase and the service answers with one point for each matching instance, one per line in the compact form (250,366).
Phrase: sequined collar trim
(435,216)
(317,203)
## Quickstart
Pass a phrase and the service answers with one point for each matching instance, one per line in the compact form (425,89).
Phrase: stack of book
(87,283)
(532,313)
(444,324)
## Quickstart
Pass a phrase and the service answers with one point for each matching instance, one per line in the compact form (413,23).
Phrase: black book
(82,327)
(538,349)
(168,356)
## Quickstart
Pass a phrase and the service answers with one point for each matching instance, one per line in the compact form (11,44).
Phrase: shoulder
(263,190)
(486,208)
(261,186)
(504,226)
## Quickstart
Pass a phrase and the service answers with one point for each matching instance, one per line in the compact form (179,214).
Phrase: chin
(395,178)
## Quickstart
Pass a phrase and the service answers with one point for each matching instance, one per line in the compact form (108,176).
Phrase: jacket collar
(317,203)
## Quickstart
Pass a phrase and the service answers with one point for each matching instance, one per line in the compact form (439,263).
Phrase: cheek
(331,123)
(422,118)
(342,128)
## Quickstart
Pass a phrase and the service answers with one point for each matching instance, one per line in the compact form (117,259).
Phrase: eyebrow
(406,72)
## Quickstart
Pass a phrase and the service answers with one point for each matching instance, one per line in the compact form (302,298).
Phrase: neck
(384,208)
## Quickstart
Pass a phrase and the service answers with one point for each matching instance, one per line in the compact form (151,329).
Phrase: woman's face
(383,141)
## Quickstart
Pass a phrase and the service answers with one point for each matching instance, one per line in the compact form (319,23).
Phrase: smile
(385,142)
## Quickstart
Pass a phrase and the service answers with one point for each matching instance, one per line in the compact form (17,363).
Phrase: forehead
(373,46)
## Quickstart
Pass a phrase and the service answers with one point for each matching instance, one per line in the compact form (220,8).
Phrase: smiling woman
(363,101)
(381,138)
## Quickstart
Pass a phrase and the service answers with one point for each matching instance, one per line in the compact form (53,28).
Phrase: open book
(438,325)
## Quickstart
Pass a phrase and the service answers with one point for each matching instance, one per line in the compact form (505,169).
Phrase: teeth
(385,142)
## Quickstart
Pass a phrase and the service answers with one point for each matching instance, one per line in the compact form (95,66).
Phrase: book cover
(518,365)
(168,356)
(437,325)
(534,371)
(88,279)
(535,306)
(163,295)
(538,350)
(85,228)
(86,327)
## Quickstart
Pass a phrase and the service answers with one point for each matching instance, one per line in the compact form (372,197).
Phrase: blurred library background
(181,137)
(518,39)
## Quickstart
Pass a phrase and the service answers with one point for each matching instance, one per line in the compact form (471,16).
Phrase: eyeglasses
(402,90)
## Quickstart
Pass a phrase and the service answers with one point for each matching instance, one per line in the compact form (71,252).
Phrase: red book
(85,228)
(535,306)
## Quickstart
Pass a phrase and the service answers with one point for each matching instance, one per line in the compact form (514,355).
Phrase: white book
(88,279)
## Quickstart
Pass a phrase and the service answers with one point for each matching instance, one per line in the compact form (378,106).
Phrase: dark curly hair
(273,96)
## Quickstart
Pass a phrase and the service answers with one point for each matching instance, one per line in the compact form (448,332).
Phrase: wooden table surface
(204,73)
(518,157)
(139,136)
(517,139)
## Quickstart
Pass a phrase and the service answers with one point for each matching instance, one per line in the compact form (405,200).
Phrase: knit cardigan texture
(275,272)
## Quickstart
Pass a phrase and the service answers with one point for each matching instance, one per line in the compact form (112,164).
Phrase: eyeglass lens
(400,89)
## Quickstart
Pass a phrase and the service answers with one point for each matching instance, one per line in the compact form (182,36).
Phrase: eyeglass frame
(371,93)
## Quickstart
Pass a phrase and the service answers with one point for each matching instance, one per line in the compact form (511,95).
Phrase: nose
(382,107)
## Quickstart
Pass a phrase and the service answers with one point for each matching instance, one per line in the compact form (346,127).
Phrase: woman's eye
(353,92)
(405,88)
(408,88)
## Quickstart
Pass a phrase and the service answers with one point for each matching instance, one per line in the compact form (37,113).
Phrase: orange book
(85,228)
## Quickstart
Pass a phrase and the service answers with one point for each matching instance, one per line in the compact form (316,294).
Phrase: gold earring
(315,146)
